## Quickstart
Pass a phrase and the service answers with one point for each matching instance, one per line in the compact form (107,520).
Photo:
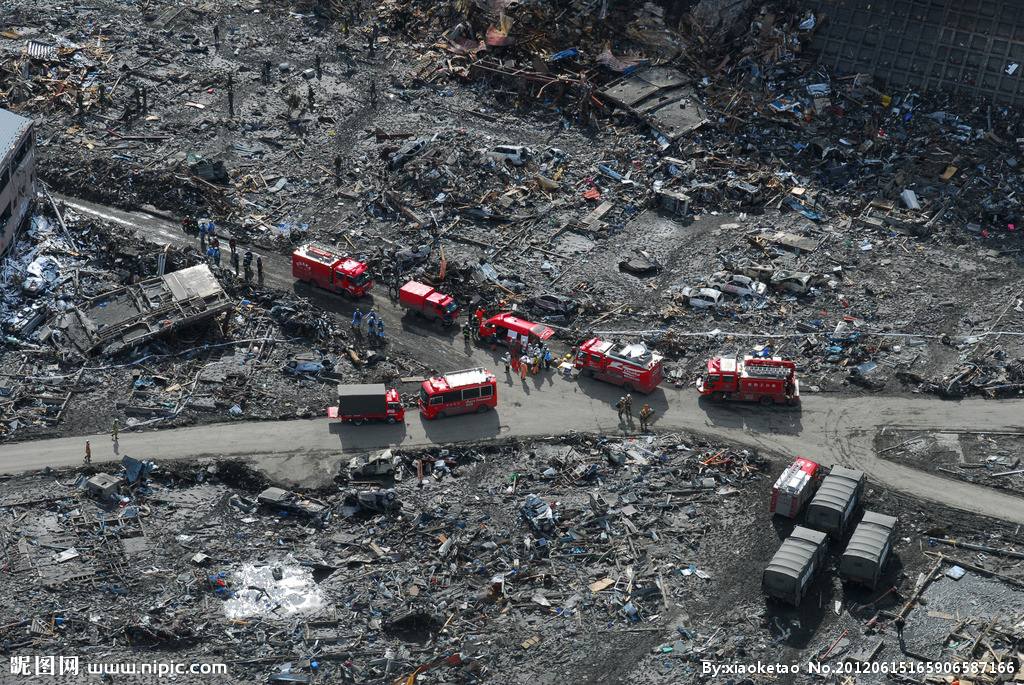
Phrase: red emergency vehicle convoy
(331,270)
(425,301)
(459,392)
(507,328)
(367,402)
(752,379)
(795,487)
(634,367)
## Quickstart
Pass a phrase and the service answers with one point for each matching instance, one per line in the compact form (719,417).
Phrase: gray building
(17,174)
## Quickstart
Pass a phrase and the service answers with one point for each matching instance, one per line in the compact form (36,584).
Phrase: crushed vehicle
(423,300)
(796,282)
(376,501)
(307,364)
(737,284)
(516,155)
(751,269)
(375,466)
(286,500)
(769,380)
(364,402)
(331,270)
(551,304)
(538,514)
(702,298)
(633,366)
(407,151)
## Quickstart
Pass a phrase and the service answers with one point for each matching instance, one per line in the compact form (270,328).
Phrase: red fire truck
(425,301)
(331,270)
(634,366)
(795,487)
(769,380)
(459,392)
(508,328)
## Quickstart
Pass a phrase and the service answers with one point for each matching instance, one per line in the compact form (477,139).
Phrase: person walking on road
(629,405)
(524,366)
(115,430)
(645,416)
(259,269)
(515,362)
(506,359)
(88,453)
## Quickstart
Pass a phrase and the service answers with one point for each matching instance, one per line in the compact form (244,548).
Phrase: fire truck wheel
(482,408)
(391,419)
(357,422)
(589,373)
(766,401)
(717,396)
(442,415)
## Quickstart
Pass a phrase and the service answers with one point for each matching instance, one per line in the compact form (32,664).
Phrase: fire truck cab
(795,487)
(458,392)
(331,270)
(508,328)
(769,380)
(633,366)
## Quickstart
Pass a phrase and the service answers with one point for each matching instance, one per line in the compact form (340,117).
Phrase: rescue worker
(357,321)
(645,416)
(248,273)
(209,254)
(115,430)
(233,244)
(515,361)
(621,407)
(234,262)
(247,263)
(259,269)
(371,320)
(467,336)
(548,358)
(187,224)
(88,453)
(506,359)
(524,367)
(380,330)
(216,256)
(629,405)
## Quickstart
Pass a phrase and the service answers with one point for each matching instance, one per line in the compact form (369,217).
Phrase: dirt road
(830,429)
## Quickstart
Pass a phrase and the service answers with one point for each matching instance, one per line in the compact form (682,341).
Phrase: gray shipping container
(362,399)
(869,549)
(788,575)
(836,500)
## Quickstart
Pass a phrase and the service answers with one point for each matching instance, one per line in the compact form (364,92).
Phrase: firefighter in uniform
(645,416)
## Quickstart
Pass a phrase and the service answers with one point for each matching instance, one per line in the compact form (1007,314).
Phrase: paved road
(831,429)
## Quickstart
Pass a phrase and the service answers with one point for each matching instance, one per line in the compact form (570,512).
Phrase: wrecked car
(406,152)
(797,282)
(553,305)
(737,284)
(516,155)
(307,365)
(759,272)
(366,466)
(702,298)
(538,513)
(286,500)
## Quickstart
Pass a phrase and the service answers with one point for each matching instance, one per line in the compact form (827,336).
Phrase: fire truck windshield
(424,397)
(451,308)
(361,279)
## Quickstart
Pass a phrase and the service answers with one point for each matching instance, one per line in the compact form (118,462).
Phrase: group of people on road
(625,408)
(209,247)
(374,326)
(527,360)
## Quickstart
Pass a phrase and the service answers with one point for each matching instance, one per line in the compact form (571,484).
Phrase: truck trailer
(832,507)
(367,402)
(789,574)
(425,301)
(869,549)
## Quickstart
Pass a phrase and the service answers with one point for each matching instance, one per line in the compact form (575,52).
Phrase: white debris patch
(258,593)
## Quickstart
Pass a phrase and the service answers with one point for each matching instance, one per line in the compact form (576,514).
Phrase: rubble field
(988,459)
(468,145)
(595,559)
